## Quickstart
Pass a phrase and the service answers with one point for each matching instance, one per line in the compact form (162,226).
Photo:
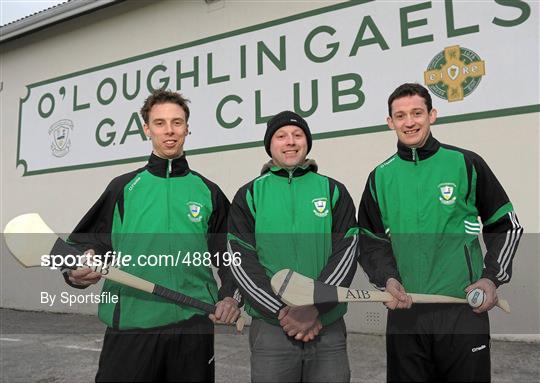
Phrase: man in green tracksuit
(163,208)
(419,226)
(293,217)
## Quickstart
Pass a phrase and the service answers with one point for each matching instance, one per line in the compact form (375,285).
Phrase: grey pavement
(47,347)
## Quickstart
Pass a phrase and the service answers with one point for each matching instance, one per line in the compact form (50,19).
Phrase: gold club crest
(454,73)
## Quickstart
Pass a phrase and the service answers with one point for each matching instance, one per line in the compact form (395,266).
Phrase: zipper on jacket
(418,193)
(293,211)
(168,176)
(469,263)
(168,203)
(169,168)
(170,272)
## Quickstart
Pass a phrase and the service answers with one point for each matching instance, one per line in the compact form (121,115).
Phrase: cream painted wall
(509,144)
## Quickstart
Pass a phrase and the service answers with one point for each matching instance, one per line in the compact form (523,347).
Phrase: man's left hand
(489,289)
(227,311)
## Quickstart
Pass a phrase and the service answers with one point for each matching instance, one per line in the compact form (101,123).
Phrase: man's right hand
(84,277)
(401,299)
(296,320)
(311,333)
(303,331)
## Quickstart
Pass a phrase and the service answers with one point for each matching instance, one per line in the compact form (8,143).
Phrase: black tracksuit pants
(183,352)
(439,343)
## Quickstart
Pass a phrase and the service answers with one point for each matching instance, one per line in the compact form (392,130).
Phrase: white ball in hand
(476,297)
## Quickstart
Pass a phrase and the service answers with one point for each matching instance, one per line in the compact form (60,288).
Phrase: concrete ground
(46,347)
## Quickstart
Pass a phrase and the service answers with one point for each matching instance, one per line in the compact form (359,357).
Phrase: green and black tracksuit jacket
(418,220)
(163,208)
(295,219)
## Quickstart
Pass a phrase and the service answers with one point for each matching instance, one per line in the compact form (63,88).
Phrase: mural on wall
(334,66)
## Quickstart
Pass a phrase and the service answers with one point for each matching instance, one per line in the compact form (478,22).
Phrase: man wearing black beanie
(292,217)
(285,118)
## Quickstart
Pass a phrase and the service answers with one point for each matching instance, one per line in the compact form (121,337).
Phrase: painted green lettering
(263,50)
(521,5)
(354,90)
(406,24)
(77,107)
(100,98)
(242,61)
(219,109)
(451,30)
(259,118)
(110,135)
(332,47)
(128,96)
(133,120)
(194,73)
(377,38)
(314,99)
(42,113)
(164,81)
(210,69)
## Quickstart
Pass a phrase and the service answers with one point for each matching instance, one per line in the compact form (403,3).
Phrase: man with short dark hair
(161,208)
(292,217)
(419,223)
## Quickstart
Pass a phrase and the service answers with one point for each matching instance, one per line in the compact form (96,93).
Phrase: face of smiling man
(411,120)
(167,128)
(289,147)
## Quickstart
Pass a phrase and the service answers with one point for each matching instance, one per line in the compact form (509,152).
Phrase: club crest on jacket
(194,211)
(321,209)
(447,193)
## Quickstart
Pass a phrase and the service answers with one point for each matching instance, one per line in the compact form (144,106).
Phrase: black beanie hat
(281,119)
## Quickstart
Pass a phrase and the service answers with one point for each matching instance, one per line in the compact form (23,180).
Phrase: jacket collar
(300,170)
(160,166)
(418,154)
